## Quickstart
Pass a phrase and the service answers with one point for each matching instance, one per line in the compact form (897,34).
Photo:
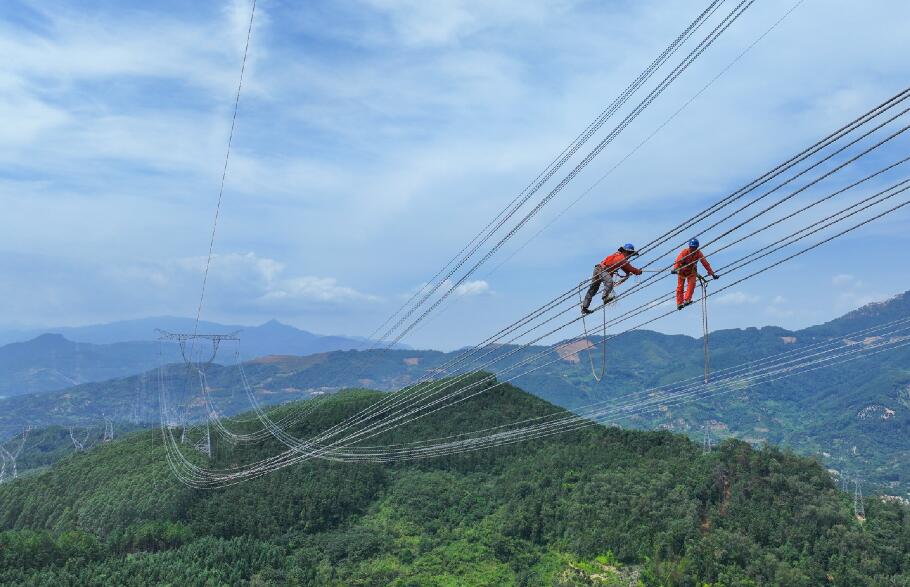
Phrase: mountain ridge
(855,416)
(54,360)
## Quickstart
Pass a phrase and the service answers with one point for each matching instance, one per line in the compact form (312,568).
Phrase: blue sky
(376,137)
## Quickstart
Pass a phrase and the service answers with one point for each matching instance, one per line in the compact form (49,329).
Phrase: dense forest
(599,506)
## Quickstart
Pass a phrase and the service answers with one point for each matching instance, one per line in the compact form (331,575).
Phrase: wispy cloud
(374,139)
(264,282)
(473,288)
(738,298)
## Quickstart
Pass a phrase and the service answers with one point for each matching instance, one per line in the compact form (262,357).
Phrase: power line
(482,237)
(817,244)
(663,85)
(227,156)
(195,476)
(747,261)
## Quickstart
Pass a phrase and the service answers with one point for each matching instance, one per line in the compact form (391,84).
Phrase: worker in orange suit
(604,272)
(686,268)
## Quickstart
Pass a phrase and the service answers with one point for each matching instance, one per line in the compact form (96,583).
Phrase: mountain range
(64,357)
(854,416)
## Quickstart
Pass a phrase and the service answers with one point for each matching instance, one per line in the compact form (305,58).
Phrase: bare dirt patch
(569,351)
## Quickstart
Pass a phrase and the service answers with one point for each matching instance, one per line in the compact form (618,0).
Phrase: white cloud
(448,22)
(738,298)
(472,288)
(265,281)
(364,165)
(319,289)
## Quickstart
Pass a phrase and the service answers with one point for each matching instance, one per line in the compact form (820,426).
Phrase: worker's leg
(690,287)
(592,289)
(680,287)
(608,288)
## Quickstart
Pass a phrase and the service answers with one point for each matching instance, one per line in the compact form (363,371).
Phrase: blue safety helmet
(693,244)
(629,248)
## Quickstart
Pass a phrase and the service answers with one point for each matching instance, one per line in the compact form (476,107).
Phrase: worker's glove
(674,272)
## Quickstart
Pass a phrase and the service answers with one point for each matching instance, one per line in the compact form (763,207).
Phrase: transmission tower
(11,456)
(204,444)
(8,458)
(140,387)
(2,468)
(858,509)
(706,442)
(196,362)
(182,338)
(108,430)
(78,444)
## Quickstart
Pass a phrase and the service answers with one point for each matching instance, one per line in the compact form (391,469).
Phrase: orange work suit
(603,274)
(686,267)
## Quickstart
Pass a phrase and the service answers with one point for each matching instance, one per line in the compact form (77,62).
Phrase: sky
(375,138)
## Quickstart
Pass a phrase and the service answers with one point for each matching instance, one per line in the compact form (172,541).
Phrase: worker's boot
(586,311)
(608,299)
(680,306)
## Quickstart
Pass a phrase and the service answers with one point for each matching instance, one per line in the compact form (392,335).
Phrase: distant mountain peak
(274,324)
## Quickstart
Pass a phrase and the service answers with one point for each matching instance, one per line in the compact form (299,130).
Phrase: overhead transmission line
(178,460)
(196,476)
(715,208)
(534,341)
(449,400)
(564,156)
(487,231)
(542,178)
(309,444)
(637,147)
(734,378)
(450,286)
(797,356)
(725,23)
(378,430)
(227,157)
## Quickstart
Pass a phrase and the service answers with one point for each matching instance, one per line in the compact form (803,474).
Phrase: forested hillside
(854,416)
(600,506)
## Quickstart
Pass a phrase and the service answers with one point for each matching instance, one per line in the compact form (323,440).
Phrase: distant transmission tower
(108,430)
(11,456)
(3,468)
(140,384)
(858,509)
(204,444)
(78,444)
(706,442)
(184,424)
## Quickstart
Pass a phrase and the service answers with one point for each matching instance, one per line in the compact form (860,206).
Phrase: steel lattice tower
(859,509)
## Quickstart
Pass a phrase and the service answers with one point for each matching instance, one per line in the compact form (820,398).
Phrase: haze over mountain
(76,355)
